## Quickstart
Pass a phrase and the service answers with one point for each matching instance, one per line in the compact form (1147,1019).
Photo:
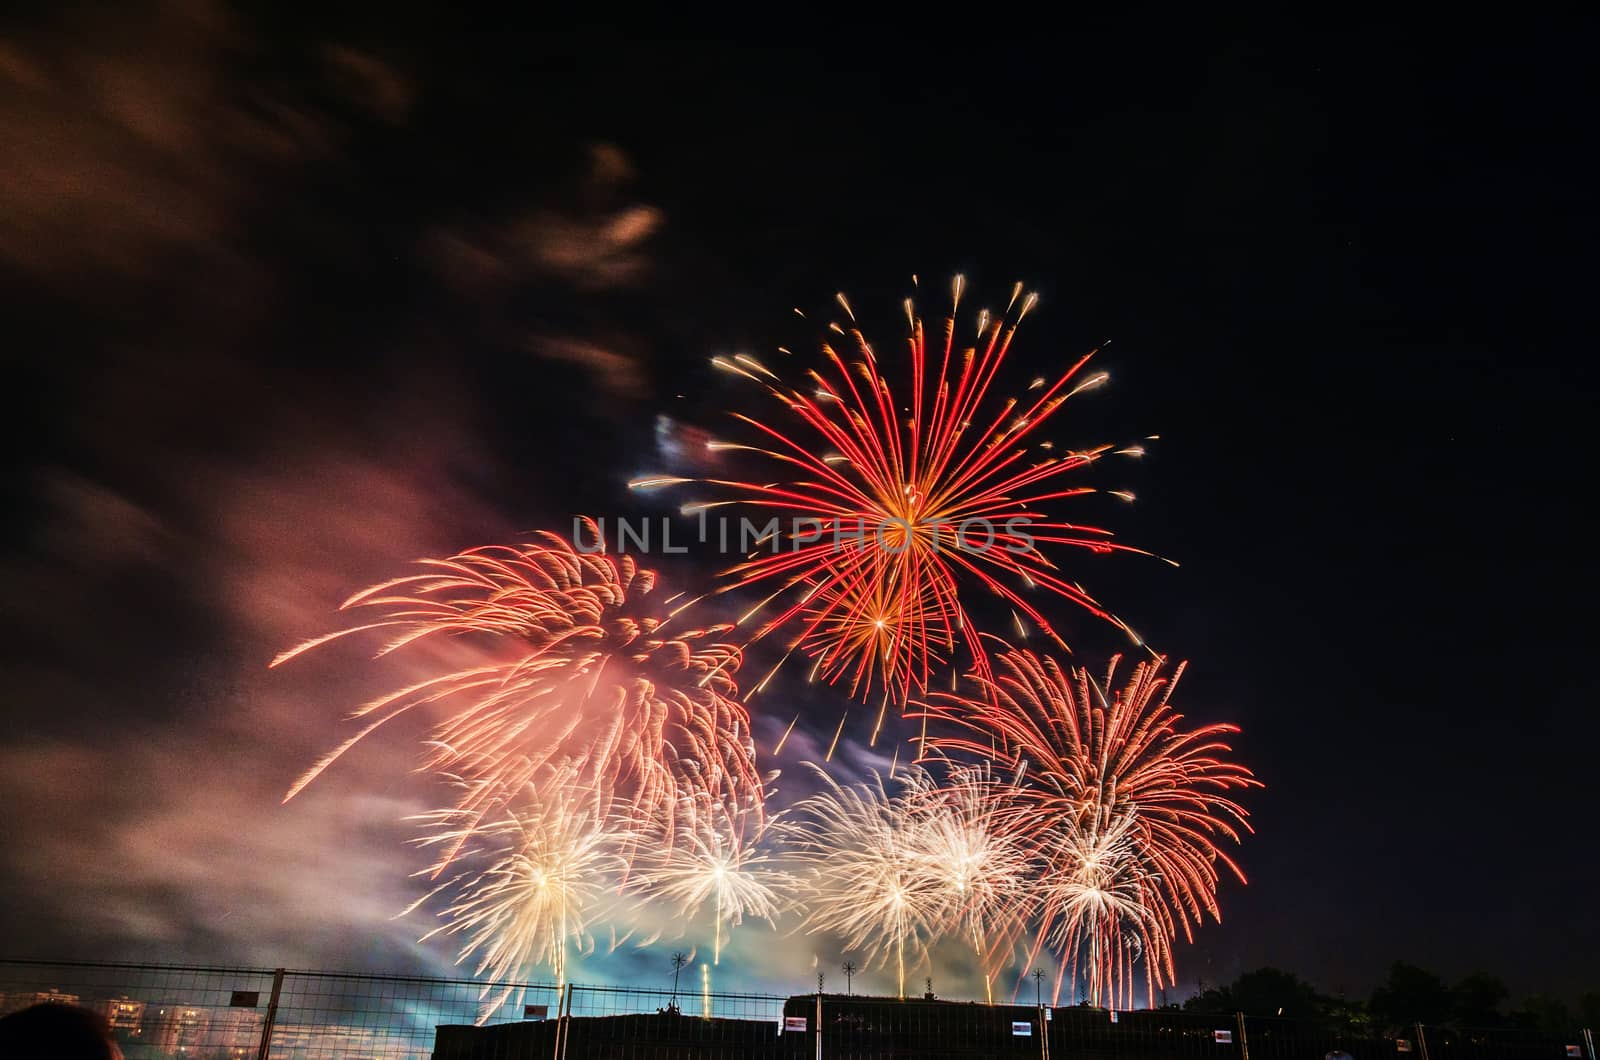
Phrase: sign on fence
(1021,1029)
(795,1023)
(1575,1050)
(1223,1037)
(245,999)
(1402,1045)
(1113,1015)
(535,1012)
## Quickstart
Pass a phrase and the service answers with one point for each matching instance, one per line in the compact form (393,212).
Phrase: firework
(1102,904)
(867,628)
(891,874)
(1126,805)
(724,861)
(549,872)
(968,838)
(866,879)
(908,491)
(575,683)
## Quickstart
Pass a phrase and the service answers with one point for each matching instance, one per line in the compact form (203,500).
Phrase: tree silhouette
(1410,995)
(1478,1001)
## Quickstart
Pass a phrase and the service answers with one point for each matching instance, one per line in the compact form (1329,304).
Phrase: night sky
(288,305)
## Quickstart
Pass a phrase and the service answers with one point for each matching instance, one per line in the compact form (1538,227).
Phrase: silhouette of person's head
(51,1031)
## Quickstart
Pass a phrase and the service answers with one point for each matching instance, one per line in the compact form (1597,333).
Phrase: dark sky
(290,304)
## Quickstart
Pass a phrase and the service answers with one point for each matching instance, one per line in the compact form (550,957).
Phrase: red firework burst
(1125,805)
(906,494)
(575,682)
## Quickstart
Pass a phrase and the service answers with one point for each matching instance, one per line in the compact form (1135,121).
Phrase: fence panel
(340,1016)
(1277,1038)
(622,1023)
(1159,1034)
(1500,1043)
(209,1013)
(872,1028)
(224,1013)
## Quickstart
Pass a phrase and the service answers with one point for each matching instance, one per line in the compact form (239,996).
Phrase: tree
(1273,992)
(1348,1015)
(1410,995)
(1217,999)
(1545,1013)
(1589,1009)
(1263,992)
(1478,1000)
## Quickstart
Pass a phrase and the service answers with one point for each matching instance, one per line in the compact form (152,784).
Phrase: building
(10,1003)
(330,1041)
(125,1016)
(177,1030)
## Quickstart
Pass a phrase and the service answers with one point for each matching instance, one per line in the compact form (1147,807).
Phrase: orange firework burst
(1126,807)
(867,628)
(576,682)
(896,496)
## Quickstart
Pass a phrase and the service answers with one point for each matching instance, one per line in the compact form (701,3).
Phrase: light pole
(678,961)
(1038,988)
(849,977)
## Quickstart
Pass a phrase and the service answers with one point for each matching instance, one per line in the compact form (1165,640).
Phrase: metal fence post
(1422,1041)
(563,1016)
(819,1025)
(561,1007)
(1244,1040)
(1044,1035)
(1588,1040)
(272,1015)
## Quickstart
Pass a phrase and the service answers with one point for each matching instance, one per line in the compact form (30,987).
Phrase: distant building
(125,1015)
(10,1003)
(235,1033)
(326,1041)
(176,1030)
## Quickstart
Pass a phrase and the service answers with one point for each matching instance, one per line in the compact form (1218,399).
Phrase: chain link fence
(225,1013)
(219,1013)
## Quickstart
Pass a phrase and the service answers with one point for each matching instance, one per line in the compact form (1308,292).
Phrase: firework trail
(1127,808)
(549,872)
(579,686)
(886,479)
